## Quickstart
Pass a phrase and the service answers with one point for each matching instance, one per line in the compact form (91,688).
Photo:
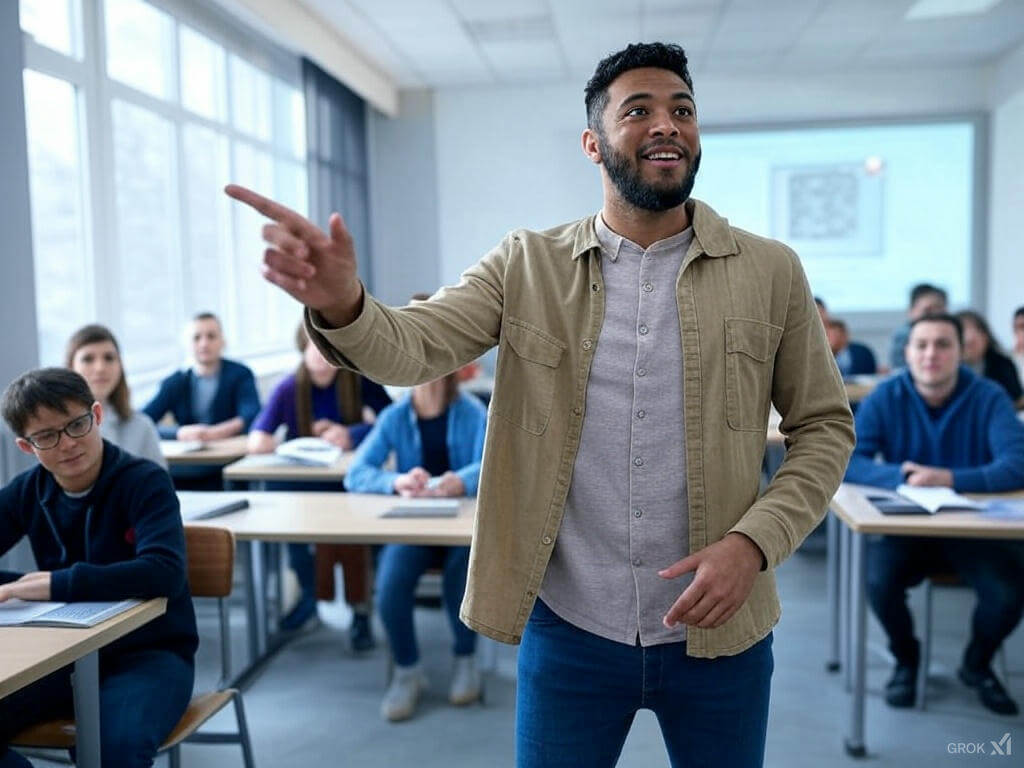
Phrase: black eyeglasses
(49,438)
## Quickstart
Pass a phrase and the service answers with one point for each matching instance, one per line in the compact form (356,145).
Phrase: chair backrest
(211,560)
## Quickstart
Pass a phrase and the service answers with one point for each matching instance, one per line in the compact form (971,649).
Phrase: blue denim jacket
(396,430)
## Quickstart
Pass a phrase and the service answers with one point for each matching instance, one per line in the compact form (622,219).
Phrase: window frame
(96,93)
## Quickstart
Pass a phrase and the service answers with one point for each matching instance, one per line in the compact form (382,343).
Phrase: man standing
(639,351)
(939,424)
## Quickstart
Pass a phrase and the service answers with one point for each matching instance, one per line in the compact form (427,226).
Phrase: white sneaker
(403,694)
(466,684)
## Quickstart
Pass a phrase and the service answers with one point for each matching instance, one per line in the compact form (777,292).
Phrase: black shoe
(901,690)
(359,633)
(991,692)
(304,611)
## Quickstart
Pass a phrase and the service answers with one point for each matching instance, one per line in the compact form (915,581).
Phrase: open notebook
(913,500)
(310,450)
(37,614)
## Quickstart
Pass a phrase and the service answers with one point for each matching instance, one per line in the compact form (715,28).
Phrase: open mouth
(666,157)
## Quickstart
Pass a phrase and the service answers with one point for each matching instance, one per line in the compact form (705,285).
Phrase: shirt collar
(711,231)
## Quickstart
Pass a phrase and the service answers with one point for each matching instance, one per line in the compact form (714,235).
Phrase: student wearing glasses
(103,525)
(94,354)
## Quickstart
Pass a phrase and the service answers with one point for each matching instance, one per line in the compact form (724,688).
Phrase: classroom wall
(404,214)
(1006,234)
(17,293)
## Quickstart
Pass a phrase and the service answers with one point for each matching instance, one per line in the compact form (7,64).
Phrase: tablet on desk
(423,508)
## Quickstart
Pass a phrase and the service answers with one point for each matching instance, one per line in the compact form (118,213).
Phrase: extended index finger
(294,221)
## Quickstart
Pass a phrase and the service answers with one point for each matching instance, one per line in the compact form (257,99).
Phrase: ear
(591,147)
(97,413)
(24,446)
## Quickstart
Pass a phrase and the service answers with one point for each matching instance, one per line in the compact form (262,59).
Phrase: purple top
(280,408)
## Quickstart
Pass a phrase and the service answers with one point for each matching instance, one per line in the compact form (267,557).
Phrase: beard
(625,175)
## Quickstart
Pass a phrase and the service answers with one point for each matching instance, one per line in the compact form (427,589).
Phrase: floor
(317,703)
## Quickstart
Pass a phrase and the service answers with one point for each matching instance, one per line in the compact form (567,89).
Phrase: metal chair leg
(243,732)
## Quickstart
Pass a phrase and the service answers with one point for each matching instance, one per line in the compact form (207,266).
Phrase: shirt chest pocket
(524,386)
(750,347)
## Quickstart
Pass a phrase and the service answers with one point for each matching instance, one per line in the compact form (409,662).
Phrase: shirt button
(641,371)
(577,411)
(638,461)
(595,287)
(638,513)
(641,413)
(587,343)
(648,287)
(547,539)
(529,593)
(636,561)
(643,330)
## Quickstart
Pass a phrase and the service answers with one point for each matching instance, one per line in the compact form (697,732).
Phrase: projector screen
(870,209)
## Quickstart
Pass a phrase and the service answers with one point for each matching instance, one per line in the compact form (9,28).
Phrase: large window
(870,209)
(137,114)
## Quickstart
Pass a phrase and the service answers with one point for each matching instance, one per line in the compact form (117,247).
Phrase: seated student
(103,525)
(853,358)
(925,299)
(983,355)
(93,353)
(1018,341)
(939,424)
(437,435)
(214,399)
(322,401)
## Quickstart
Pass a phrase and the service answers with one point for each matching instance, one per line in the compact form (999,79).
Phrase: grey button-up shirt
(626,512)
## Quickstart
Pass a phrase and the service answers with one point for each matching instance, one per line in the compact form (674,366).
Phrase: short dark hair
(924,289)
(634,56)
(941,318)
(819,302)
(1019,312)
(52,388)
(205,316)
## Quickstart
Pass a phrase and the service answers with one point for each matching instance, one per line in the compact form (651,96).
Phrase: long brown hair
(347,389)
(120,397)
(451,380)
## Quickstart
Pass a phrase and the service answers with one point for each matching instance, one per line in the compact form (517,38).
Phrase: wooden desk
(847,565)
(266,467)
(322,518)
(335,518)
(28,654)
(215,453)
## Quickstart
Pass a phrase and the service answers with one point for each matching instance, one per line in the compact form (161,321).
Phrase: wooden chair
(211,559)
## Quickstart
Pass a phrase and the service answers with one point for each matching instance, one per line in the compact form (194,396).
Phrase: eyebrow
(641,96)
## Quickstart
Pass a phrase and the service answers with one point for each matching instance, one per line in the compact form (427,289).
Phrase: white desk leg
(832,576)
(86,685)
(845,609)
(858,636)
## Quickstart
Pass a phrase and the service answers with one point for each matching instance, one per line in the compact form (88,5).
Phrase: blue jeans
(143,695)
(578,693)
(398,571)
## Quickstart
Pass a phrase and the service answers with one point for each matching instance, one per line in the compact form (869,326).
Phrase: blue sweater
(236,396)
(396,430)
(977,435)
(132,539)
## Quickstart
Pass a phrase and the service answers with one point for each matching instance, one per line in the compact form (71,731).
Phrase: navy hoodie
(132,539)
(977,435)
